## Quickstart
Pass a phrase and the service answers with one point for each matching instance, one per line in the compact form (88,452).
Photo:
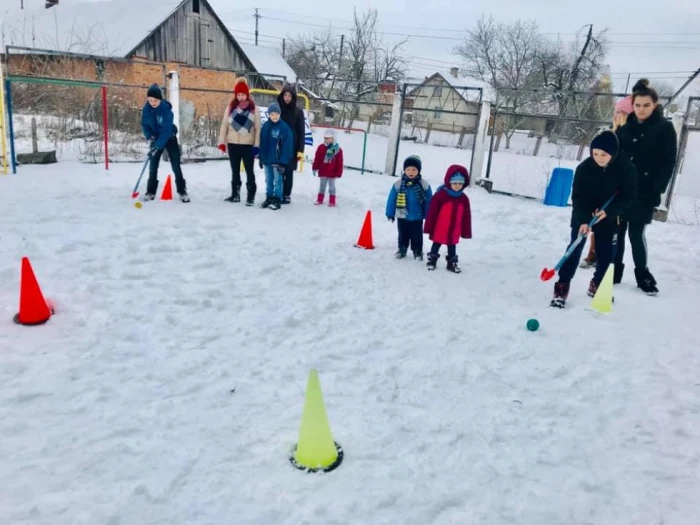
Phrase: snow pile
(120,411)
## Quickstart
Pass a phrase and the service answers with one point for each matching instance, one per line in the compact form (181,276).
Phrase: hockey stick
(547,274)
(135,193)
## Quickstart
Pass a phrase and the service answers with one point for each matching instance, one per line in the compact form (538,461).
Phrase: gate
(683,196)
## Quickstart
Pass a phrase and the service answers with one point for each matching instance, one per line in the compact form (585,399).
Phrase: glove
(281,170)
(300,156)
(390,219)
(153,149)
(222,147)
(256,151)
(315,173)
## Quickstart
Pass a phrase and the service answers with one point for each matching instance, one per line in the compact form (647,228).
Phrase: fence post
(480,143)
(8,89)
(392,148)
(174,97)
(3,130)
(105,125)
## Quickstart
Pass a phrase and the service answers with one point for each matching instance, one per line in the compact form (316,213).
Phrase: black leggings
(236,154)
(638,242)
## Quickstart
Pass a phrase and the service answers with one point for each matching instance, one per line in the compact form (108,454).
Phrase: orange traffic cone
(365,239)
(167,190)
(33,308)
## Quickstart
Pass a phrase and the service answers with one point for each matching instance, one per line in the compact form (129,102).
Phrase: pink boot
(331,202)
(319,199)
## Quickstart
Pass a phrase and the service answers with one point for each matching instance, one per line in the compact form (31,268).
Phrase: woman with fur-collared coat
(648,140)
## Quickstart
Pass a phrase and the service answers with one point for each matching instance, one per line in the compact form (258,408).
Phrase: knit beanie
(413,161)
(606,141)
(274,108)
(329,134)
(155,92)
(625,105)
(241,86)
(458,177)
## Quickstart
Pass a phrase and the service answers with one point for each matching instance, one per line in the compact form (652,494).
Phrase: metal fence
(683,196)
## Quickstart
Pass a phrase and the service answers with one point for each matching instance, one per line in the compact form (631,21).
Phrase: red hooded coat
(449,216)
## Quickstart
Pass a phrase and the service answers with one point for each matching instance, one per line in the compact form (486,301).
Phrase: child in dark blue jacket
(158,128)
(409,200)
(276,154)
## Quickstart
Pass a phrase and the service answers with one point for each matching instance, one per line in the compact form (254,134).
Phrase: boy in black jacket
(604,174)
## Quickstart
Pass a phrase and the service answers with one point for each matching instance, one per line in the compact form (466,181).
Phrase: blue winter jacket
(413,211)
(157,123)
(276,144)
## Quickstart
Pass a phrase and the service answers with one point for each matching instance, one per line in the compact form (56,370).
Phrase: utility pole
(257,19)
(628,82)
(284,47)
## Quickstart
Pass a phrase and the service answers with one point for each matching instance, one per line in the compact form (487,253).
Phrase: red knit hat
(241,86)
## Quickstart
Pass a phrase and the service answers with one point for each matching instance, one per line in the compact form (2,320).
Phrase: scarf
(331,152)
(242,116)
(415,185)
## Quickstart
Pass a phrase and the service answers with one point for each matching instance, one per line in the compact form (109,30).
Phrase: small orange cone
(365,239)
(167,190)
(33,308)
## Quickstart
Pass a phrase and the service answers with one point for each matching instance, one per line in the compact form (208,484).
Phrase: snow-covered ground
(120,409)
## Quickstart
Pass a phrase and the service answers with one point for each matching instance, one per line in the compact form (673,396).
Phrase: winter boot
(592,288)
(646,281)
(452,264)
(250,199)
(274,204)
(401,253)
(432,261)
(617,273)
(286,200)
(266,203)
(331,201)
(148,197)
(319,199)
(417,256)
(561,292)
(235,194)
(183,196)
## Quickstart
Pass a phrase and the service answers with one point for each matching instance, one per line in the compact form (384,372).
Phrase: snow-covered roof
(269,63)
(107,28)
(459,83)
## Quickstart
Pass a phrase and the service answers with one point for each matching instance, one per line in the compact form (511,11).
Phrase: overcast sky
(660,40)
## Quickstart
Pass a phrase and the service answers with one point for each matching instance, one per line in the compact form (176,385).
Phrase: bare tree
(506,57)
(315,58)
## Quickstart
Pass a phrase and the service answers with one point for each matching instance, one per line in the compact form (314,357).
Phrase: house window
(437,91)
(195,6)
(437,113)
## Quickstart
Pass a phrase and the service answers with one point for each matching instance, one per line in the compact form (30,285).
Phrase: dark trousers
(236,154)
(638,242)
(288,181)
(410,234)
(605,247)
(173,149)
(451,249)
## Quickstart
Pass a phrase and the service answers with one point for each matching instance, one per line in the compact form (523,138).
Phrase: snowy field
(120,409)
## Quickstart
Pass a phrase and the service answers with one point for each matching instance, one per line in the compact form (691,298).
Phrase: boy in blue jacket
(276,154)
(158,128)
(409,200)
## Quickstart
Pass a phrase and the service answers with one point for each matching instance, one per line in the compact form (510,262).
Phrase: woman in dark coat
(294,117)
(649,141)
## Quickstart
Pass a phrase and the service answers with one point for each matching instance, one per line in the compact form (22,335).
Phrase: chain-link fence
(683,197)
(534,131)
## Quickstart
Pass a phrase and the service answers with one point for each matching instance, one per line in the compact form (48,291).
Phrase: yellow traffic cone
(316,449)
(602,302)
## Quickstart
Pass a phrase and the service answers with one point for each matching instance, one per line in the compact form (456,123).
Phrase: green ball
(533,324)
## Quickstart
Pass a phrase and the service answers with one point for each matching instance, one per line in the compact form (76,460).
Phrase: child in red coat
(328,165)
(449,217)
